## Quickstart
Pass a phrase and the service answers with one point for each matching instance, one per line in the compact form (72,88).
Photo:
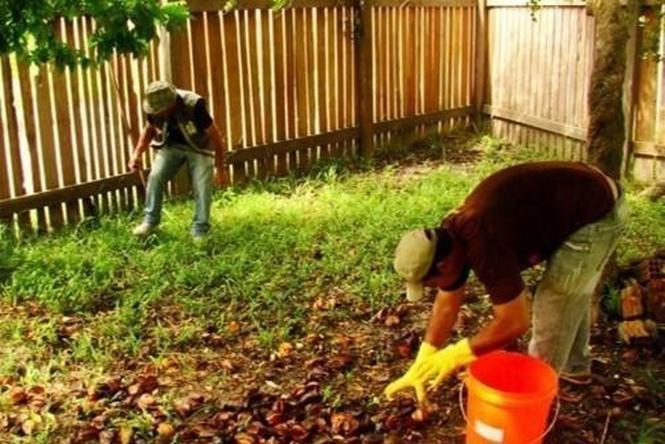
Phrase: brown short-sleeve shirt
(519,216)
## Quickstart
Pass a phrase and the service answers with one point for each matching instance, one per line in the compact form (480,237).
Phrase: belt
(616,191)
(614,188)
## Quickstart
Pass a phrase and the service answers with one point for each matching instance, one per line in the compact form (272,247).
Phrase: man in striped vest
(182,131)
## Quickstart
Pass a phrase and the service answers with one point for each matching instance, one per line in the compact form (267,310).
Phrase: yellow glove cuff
(426,349)
(462,353)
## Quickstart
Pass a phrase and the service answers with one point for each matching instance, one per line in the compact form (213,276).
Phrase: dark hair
(444,243)
(444,246)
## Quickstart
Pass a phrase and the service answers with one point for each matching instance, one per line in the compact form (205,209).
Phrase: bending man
(568,214)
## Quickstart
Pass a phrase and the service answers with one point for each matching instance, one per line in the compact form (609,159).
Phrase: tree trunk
(606,132)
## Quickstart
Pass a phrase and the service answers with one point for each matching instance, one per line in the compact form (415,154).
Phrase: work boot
(143,230)
(198,237)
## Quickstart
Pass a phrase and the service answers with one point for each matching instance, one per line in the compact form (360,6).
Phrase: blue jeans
(167,162)
(562,303)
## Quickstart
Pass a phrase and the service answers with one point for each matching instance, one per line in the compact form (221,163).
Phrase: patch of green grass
(275,247)
(643,430)
(645,231)
(651,432)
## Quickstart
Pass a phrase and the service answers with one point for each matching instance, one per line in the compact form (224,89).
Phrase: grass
(275,247)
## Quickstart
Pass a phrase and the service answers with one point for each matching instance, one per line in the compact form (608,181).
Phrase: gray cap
(413,259)
(159,96)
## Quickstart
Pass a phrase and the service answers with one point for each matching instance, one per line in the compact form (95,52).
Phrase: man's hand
(408,379)
(221,177)
(134,163)
(441,364)
(432,368)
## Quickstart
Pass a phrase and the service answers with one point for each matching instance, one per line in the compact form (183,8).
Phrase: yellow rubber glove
(438,366)
(407,380)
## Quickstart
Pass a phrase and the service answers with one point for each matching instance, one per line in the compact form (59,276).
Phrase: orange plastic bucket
(510,395)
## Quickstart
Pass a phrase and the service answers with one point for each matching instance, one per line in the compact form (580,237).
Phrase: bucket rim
(499,397)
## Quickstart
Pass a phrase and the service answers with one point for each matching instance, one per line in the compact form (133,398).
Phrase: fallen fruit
(165,430)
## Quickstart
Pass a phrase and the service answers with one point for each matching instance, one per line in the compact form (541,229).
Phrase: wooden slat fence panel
(12,180)
(423,60)
(71,127)
(540,69)
(649,130)
(281,85)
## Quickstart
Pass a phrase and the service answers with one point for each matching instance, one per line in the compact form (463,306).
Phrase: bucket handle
(539,438)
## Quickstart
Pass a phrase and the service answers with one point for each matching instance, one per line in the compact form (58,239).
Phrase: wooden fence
(648,132)
(321,78)
(538,78)
(287,88)
(67,135)
(538,74)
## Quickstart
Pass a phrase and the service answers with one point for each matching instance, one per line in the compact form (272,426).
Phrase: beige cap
(413,259)
(159,96)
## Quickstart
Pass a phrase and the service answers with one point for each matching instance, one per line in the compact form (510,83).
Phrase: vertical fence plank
(332,97)
(94,116)
(65,143)
(50,164)
(13,169)
(363,61)
(480,63)
(27,97)
(377,60)
(216,61)
(322,91)
(280,92)
(251,84)
(118,133)
(310,85)
(300,81)
(5,155)
(181,44)
(107,129)
(236,132)
(199,43)
(264,41)
(82,105)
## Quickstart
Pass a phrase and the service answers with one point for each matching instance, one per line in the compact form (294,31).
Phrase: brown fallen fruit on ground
(165,430)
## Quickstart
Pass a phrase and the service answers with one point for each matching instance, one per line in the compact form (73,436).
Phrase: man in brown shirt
(566,213)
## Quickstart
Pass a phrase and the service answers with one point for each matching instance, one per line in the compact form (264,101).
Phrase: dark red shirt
(519,216)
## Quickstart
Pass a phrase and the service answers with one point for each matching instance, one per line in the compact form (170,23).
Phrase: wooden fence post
(364,87)
(180,74)
(481,60)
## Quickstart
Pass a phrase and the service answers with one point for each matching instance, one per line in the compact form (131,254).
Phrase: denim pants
(167,162)
(562,303)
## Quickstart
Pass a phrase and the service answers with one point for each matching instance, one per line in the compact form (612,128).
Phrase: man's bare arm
(141,146)
(511,320)
(220,153)
(444,314)
(218,143)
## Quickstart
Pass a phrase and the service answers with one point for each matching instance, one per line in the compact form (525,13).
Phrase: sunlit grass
(274,248)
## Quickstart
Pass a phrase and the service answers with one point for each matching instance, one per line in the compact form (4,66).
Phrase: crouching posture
(568,214)
(181,129)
